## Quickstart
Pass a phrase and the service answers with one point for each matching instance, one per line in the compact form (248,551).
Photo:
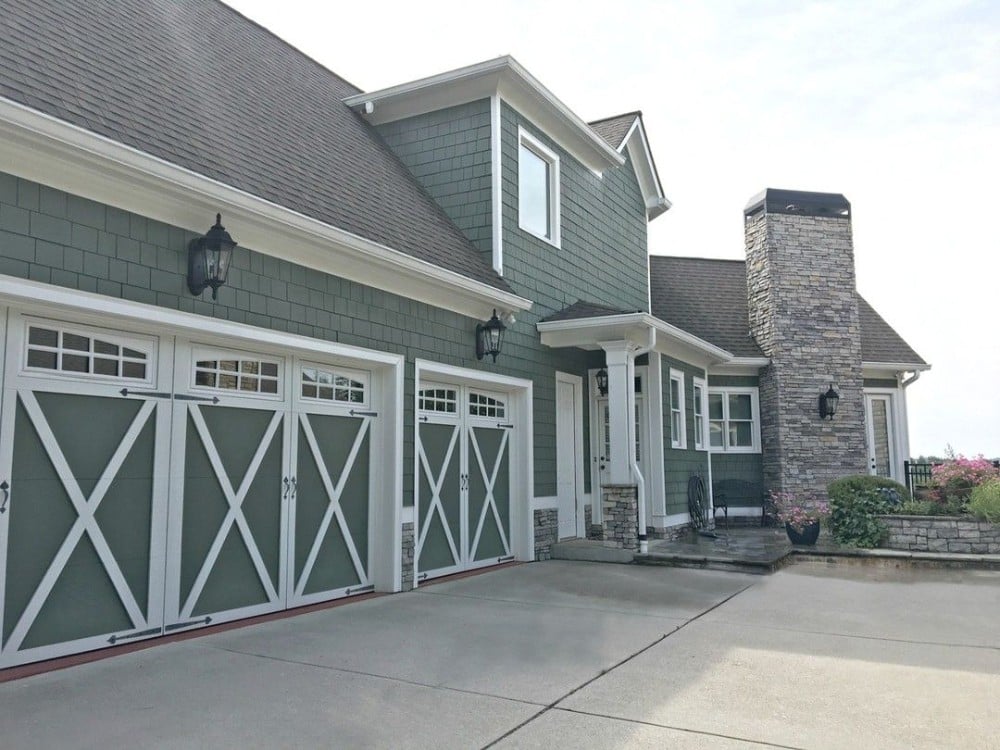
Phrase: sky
(894,104)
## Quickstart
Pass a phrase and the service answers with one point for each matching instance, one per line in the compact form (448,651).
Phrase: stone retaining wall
(546,532)
(942,534)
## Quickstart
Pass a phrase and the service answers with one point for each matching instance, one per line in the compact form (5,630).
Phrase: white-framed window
(700,408)
(733,420)
(678,426)
(243,373)
(333,384)
(438,399)
(537,188)
(92,353)
(481,405)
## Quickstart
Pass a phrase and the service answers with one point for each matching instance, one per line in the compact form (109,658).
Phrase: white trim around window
(678,420)
(537,162)
(700,414)
(727,416)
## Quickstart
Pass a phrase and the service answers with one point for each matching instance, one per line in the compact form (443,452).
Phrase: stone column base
(546,532)
(408,553)
(620,503)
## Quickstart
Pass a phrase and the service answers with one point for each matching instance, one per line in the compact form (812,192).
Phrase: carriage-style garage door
(150,485)
(464,476)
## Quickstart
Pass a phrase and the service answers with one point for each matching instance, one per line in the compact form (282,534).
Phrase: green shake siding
(681,464)
(50,236)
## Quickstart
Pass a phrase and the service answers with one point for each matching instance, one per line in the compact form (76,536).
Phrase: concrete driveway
(563,655)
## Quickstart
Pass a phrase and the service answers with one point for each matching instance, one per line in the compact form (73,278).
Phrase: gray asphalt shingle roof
(708,298)
(199,85)
(614,129)
(582,309)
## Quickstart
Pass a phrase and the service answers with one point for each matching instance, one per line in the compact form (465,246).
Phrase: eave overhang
(637,145)
(44,149)
(590,333)
(505,77)
(891,369)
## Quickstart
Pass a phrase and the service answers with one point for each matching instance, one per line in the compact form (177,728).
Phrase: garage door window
(481,405)
(244,374)
(82,352)
(334,385)
(439,400)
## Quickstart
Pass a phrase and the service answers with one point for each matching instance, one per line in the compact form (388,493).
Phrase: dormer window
(537,189)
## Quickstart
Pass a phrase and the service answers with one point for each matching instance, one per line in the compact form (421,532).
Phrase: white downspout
(640,482)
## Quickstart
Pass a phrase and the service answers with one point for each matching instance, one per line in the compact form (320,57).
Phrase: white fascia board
(44,149)
(503,76)
(875,369)
(586,333)
(740,366)
(645,170)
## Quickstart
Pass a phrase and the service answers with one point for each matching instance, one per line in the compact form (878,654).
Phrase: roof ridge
(636,113)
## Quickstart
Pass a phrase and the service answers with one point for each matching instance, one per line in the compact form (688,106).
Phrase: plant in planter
(985,501)
(801,515)
(855,504)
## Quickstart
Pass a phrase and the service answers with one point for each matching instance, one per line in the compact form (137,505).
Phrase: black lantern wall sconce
(489,337)
(601,379)
(828,403)
(209,258)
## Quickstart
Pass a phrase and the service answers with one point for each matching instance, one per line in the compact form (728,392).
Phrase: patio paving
(563,655)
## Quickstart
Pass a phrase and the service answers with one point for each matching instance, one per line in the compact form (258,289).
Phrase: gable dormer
(555,206)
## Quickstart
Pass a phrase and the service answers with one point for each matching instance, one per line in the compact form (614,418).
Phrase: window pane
(715,434)
(533,192)
(105,366)
(675,390)
(42,359)
(134,370)
(697,400)
(104,347)
(43,337)
(740,435)
(715,406)
(739,406)
(79,343)
(75,363)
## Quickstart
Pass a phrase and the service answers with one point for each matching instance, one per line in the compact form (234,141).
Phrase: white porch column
(620,362)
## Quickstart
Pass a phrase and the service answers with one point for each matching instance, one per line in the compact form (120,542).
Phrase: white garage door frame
(519,393)
(386,369)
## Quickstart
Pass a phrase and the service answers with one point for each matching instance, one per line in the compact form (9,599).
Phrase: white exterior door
(567,459)
(880,435)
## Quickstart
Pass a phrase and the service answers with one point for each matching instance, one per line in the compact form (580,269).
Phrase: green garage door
(463,480)
(82,491)
(149,486)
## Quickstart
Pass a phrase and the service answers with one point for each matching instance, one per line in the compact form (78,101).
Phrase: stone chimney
(804,316)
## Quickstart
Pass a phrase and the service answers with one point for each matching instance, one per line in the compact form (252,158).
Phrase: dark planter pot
(808,535)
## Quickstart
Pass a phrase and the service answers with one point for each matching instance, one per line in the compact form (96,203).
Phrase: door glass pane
(740,435)
(880,431)
(715,433)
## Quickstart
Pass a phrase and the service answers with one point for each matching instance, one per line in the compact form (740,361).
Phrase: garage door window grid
(77,351)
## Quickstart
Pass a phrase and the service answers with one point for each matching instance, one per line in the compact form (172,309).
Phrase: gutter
(640,481)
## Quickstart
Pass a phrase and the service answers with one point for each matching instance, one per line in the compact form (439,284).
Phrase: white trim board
(41,148)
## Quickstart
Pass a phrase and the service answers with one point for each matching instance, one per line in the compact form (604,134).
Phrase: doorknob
(5,488)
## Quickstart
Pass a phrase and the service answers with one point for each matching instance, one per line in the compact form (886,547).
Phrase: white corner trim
(508,78)
(407,514)
(496,182)
(47,150)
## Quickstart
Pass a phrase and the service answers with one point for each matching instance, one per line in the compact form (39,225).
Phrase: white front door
(567,460)
(880,436)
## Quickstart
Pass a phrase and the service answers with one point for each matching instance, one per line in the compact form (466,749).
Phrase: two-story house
(189,438)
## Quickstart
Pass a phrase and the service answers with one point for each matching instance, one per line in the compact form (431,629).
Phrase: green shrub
(918,508)
(854,504)
(985,501)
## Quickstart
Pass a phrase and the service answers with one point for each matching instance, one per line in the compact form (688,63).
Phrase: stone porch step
(590,550)
(758,566)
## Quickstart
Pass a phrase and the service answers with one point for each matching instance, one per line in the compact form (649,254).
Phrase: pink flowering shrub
(799,512)
(953,481)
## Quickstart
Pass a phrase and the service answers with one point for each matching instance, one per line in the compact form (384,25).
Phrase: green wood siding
(448,151)
(680,464)
(733,381)
(603,252)
(50,236)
